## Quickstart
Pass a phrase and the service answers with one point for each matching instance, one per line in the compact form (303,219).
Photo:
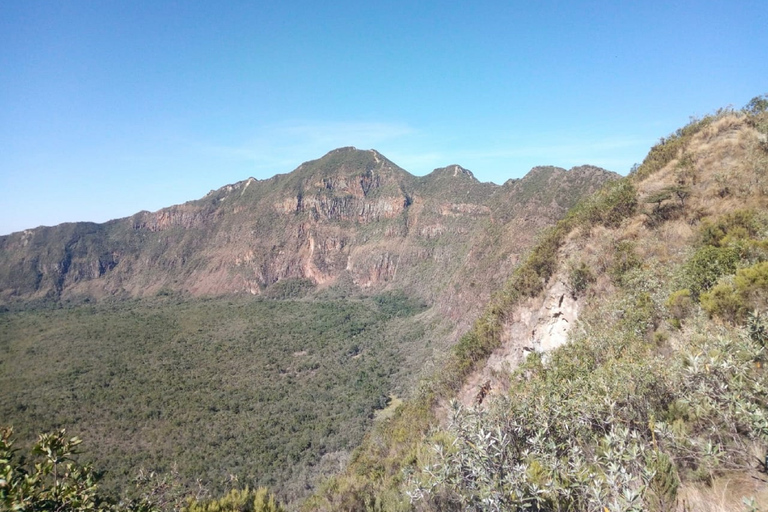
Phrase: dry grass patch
(725,494)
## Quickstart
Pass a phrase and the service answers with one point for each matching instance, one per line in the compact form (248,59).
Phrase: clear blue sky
(108,108)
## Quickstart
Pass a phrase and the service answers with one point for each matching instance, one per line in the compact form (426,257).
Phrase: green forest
(268,391)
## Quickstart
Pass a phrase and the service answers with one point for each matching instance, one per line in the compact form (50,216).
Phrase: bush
(757,105)
(624,260)
(757,326)
(579,278)
(51,478)
(614,203)
(707,266)
(730,229)
(732,299)
(665,482)
(679,305)
(245,500)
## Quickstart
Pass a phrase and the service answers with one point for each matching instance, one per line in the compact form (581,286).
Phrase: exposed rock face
(352,214)
(539,324)
(549,323)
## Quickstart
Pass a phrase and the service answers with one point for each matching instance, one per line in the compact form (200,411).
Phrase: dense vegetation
(270,391)
(620,416)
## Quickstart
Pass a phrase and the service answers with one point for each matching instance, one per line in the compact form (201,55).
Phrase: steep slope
(622,366)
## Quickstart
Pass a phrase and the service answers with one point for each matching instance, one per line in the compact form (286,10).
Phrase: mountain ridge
(271,289)
(335,216)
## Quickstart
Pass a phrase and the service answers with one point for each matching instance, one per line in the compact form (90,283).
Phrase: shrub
(51,478)
(723,301)
(757,326)
(757,105)
(245,500)
(752,283)
(665,482)
(679,305)
(579,278)
(707,265)
(624,260)
(730,228)
(732,299)
(614,203)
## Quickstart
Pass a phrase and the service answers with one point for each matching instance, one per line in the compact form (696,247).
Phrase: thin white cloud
(569,150)
(275,148)
(282,147)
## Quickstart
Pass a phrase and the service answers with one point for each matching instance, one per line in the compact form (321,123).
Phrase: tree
(51,480)
(757,105)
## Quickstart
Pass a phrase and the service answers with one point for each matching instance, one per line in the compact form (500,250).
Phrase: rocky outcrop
(538,324)
(183,216)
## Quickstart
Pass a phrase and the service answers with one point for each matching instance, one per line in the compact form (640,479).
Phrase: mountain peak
(453,171)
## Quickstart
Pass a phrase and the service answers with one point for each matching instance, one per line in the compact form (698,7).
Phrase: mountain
(351,217)
(622,365)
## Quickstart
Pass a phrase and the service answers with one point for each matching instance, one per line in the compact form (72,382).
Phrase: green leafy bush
(680,305)
(729,229)
(665,482)
(732,299)
(580,276)
(51,479)
(707,265)
(611,205)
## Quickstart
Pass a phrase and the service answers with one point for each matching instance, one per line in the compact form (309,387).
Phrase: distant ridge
(351,216)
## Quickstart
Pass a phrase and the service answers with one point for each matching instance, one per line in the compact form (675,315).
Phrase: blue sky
(108,108)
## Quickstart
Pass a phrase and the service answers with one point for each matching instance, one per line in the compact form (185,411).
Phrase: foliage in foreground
(53,480)
(602,425)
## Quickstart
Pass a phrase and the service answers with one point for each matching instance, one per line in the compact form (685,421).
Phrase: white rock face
(555,318)
(539,325)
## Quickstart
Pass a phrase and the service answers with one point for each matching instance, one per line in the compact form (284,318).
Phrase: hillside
(260,330)
(622,366)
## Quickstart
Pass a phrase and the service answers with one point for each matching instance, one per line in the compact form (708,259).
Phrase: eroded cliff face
(352,216)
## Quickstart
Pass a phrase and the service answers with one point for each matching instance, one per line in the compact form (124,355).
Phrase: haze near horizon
(109,108)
